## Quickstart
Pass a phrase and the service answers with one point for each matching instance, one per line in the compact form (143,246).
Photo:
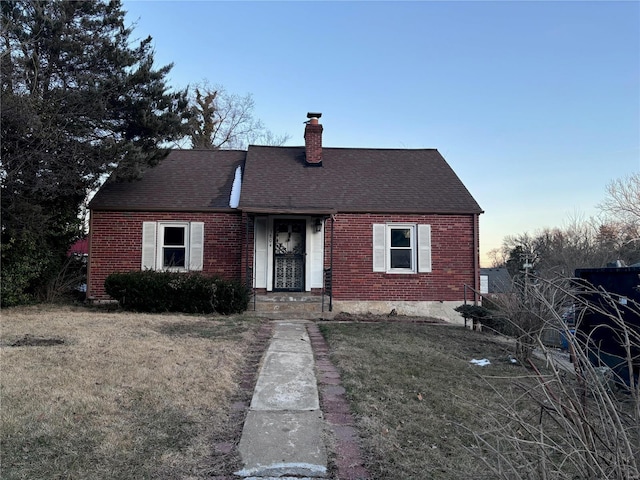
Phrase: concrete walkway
(283,431)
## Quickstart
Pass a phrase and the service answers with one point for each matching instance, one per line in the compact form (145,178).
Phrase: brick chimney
(313,140)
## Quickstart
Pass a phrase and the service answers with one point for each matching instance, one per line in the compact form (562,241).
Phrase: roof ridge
(212,150)
(430,149)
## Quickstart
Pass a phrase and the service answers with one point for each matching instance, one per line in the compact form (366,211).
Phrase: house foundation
(440,310)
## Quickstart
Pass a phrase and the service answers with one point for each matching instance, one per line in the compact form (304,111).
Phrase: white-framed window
(401,248)
(175,246)
(401,253)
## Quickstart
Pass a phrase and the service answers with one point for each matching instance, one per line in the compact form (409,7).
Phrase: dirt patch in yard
(31,341)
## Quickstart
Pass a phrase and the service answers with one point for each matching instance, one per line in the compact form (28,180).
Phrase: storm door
(289,255)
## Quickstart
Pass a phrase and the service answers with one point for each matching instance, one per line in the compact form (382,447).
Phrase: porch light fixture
(318,225)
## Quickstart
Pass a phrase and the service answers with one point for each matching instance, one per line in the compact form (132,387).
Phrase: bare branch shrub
(71,275)
(524,316)
(569,421)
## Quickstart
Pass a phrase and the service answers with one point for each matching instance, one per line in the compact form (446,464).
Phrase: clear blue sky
(535,105)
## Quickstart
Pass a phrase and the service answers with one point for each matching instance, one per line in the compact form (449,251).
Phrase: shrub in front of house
(477,313)
(151,291)
(489,315)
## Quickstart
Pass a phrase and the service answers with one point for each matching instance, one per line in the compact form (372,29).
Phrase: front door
(289,255)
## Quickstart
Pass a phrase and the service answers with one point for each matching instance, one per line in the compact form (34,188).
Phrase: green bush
(150,291)
(473,312)
(26,266)
(499,324)
(232,297)
(488,316)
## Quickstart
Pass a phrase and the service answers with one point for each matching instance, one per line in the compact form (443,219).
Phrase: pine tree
(79,103)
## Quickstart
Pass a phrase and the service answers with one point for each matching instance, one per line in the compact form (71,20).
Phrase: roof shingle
(353,180)
(186,180)
(277,179)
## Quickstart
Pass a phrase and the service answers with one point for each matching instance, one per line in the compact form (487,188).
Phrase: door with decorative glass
(289,255)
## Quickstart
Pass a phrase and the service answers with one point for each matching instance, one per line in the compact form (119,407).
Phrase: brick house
(368,230)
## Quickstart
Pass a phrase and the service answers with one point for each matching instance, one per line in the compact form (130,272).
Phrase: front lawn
(89,394)
(93,394)
(416,396)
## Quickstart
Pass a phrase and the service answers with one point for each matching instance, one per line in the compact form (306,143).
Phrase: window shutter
(149,245)
(260,257)
(424,248)
(379,252)
(196,246)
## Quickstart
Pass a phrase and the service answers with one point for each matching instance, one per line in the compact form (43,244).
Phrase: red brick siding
(116,244)
(452,256)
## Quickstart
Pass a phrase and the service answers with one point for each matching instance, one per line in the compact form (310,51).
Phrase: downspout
(331,265)
(246,249)
(88,294)
(246,255)
(324,270)
(476,258)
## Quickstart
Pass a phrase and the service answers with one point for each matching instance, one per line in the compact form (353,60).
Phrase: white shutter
(379,251)
(424,248)
(260,255)
(196,246)
(484,284)
(149,245)
(316,257)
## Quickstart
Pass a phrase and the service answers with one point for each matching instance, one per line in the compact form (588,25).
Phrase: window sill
(398,272)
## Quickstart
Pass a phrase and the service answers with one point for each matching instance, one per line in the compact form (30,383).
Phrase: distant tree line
(612,237)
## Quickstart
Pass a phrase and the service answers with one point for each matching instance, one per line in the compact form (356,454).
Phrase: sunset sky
(535,105)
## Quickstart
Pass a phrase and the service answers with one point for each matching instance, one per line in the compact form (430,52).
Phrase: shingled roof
(186,180)
(278,180)
(287,180)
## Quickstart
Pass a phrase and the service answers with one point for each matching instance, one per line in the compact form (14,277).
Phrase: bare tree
(498,257)
(623,200)
(222,120)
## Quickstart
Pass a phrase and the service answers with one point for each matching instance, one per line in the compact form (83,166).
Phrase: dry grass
(417,398)
(125,396)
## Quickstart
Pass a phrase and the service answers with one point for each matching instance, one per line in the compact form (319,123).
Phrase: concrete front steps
(289,304)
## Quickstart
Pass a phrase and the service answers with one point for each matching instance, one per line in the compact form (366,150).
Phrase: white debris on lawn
(481,363)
